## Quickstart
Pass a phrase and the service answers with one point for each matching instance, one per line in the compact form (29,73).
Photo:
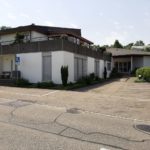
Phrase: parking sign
(17,60)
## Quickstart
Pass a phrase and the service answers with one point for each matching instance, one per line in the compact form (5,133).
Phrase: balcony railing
(52,45)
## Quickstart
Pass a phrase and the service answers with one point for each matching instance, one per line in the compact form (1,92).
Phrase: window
(80,67)
(109,66)
(97,67)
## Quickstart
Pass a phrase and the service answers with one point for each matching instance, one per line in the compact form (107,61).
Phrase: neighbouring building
(126,61)
(42,50)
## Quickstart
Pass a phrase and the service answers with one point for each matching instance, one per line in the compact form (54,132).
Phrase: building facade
(42,51)
(126,61)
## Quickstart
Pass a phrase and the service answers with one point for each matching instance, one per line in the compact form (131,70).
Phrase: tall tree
(139,43)
(117,44)
(129,46)
(4,27)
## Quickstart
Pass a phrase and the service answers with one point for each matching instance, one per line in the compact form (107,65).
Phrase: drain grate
(73,111)
(143,127)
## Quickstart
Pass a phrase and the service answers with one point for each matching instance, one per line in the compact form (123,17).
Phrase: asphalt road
(33,119)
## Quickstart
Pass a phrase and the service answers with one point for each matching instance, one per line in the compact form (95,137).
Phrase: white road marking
(104,149)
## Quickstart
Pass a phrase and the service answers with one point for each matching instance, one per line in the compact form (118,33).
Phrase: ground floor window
(123,67)
(109,66)
(47,67)
(80,67)
(97,67)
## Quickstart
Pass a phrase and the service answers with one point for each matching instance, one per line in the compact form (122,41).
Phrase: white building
(42,51)
(125,61)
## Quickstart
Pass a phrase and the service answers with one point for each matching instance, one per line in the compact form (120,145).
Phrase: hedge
(143,73)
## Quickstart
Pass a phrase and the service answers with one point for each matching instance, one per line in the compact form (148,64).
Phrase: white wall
(62,58)
(7,39)
(90,65)
(36,36)
(69,61)
(146,61)
(31,66)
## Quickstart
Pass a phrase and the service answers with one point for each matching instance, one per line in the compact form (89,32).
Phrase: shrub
(45,84)
(115,73)
(22,83)
(105,73)
(134,72)
(143,73)
(64,75)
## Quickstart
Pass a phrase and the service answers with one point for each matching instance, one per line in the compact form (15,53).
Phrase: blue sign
(17,60)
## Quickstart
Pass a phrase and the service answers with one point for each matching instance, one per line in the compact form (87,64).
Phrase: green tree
(19,38)
(64,75)
(117,44)
(4,27)
(147,49)
(129,46)
(139,43)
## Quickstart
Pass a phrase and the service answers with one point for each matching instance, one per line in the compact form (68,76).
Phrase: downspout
(62,44)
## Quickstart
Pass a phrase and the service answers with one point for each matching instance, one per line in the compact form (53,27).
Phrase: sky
(101,21)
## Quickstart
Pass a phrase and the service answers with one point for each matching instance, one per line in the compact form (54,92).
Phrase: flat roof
(116,52)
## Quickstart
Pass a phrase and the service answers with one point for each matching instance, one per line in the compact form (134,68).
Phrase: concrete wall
(31,66)
(59,59)
(146,61)
(90,65)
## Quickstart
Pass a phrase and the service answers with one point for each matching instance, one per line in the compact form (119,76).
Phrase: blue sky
(101,21)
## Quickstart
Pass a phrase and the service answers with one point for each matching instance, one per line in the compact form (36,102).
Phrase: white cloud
(11,16)
(101,14)
(49,23)
(116,36)
(74,25)
(117,25)
(24,16)
(147,14)
(5,3)
(131,27)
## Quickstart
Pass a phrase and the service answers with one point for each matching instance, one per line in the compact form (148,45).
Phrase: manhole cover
(17,103)
(73,111)
(143,127)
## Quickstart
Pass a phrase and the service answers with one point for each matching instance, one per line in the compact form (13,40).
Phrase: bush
(45,84)
(64,75)
(143,73)
(22,82)
(115,74)
(105,73)
(87,80)
(133,73)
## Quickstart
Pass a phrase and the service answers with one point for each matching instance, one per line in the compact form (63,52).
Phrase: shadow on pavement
(91,87)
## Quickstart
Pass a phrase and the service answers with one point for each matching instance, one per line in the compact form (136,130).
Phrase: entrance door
(47,68)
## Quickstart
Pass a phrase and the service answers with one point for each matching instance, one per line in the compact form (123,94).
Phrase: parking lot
(100,116)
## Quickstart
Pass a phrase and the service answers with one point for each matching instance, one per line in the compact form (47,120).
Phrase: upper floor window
(27,37)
